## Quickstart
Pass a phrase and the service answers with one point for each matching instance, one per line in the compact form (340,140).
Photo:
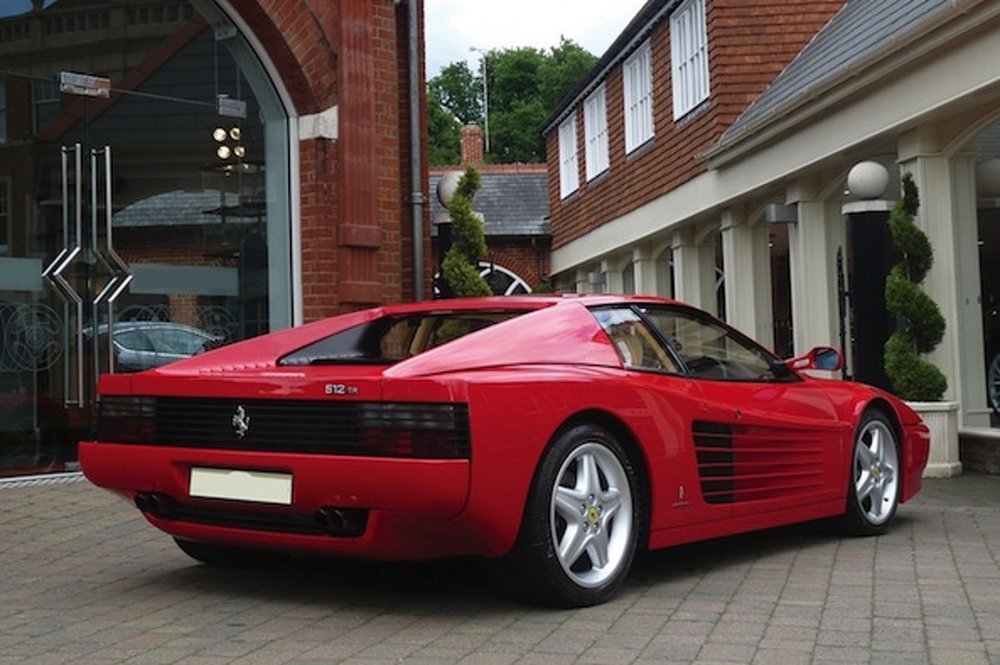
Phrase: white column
(612,277)
(812,253)
(947,214)
(747,260)
(694,269)
(646,271)
(582,283)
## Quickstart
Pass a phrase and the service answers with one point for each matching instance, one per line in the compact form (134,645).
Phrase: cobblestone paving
(84,579)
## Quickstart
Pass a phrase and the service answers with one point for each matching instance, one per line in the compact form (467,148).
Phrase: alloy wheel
(876,472)
(591,515)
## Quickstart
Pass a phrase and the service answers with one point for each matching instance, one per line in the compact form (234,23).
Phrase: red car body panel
(523,380)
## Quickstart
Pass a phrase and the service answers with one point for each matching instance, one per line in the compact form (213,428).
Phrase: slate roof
(512,204)
(183,208)
(860,29)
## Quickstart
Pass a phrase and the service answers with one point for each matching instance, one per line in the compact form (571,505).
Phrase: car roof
(526,302)
(125,326)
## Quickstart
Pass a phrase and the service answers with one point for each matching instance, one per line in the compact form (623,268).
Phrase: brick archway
(296,34)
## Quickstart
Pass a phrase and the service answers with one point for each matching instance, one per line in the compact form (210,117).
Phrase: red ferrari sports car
(554,435)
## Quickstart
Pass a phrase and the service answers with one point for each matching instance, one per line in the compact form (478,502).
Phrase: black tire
(993,384)
(586,474)
(228,556)
(874,482)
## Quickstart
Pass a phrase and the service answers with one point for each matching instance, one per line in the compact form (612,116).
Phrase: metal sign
(232,108)
(83,84)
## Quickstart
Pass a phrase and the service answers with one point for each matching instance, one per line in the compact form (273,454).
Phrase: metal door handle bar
(121,275)
(53,273)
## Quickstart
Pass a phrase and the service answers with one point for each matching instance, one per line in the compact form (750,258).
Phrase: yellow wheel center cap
(876,472)
(593,514)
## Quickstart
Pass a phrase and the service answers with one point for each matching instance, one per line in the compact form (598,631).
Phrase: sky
(452,26)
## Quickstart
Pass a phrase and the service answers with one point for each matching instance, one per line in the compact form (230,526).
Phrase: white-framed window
(689,56)
(4,216)
(569,166)
(595,131)
(638,82)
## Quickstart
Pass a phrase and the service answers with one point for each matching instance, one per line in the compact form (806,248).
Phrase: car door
(763,438)
(674,402)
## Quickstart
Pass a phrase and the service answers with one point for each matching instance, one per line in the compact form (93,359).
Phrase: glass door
(143,206)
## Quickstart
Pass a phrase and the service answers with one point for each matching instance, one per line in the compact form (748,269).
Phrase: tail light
(126,418)
(401,429)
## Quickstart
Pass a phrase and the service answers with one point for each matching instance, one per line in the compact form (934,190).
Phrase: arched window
(502,281)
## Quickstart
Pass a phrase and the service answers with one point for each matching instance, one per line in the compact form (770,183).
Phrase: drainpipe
(416,167)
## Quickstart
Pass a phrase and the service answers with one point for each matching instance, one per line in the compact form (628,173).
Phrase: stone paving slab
(84,579)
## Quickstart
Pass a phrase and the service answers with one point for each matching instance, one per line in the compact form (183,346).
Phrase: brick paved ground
(84,579)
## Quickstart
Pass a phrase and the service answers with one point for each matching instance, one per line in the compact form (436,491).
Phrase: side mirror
(824,358)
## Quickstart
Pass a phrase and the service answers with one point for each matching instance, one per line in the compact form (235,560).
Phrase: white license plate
(237,485)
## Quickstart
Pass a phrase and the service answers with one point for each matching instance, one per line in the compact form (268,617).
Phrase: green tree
(562,71)
(514,76)
(514,135)
(525,86)
(468,241)
(919,324)
(457,89)
(453,100)
(444,146)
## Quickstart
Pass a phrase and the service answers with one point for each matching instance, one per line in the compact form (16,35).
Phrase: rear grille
(381,429)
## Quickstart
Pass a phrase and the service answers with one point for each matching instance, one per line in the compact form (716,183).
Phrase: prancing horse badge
(241,422)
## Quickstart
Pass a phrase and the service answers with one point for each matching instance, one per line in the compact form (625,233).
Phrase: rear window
(394,338)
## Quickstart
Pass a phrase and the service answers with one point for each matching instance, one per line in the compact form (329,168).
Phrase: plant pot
(942,420)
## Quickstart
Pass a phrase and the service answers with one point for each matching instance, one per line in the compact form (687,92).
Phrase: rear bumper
(410,505)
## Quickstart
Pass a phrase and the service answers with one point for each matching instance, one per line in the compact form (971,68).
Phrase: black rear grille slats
(437,430)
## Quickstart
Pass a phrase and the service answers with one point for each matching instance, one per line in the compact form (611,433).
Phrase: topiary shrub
(468,241)
(919,323)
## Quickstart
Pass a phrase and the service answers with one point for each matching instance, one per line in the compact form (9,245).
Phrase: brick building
(234,166)
(721,150)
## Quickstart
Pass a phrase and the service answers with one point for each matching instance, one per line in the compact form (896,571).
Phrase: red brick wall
(355,215)
(750,42)
(529,263)
(318,163)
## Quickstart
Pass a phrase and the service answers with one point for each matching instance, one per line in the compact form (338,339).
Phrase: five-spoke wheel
(582,522)
(874,489)
(591,515)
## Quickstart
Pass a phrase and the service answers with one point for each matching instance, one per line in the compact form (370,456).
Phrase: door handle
(121,274)
(53,273)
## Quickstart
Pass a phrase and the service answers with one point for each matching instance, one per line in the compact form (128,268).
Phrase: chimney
(472,145)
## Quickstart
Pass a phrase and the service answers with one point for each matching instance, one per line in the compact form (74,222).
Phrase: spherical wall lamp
(868,180)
